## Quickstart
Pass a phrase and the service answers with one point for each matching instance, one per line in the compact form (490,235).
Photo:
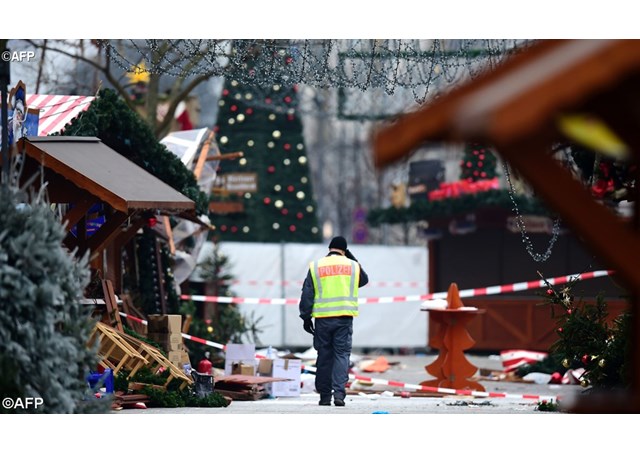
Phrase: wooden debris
(112,314)
(120,351)
(130,309)
(243,387)
(114,351)
(127,401)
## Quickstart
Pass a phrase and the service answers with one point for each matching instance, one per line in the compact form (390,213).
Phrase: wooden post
(451,368)
(163,299)
(113,312)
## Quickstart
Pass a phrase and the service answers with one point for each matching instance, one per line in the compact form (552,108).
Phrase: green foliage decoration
(458,206)
(122,129)
(44,329)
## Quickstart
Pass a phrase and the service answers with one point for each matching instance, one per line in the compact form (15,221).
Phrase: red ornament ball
(291,188)
(290,117)
(223,228)
(287,99)
(469,164)
(267,100)
(267,200)
(284,211)
(569,311)
(483,174)
(225,92)
(289,60)
(287,146)
(481,157)
(299,216)
(560,329)
(585,359)
(556,378)
(271,169)
(480,164)
(233,108)
(234,229)
(292,228)
(550,292)
(249,111)
(152,221)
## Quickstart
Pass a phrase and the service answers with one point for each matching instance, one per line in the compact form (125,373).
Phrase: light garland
(360,64)
(555,232)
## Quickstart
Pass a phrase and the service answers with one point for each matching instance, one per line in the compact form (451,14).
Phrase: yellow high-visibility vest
(335,281)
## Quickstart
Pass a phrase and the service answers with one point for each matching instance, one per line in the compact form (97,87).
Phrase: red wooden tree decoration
(452,369)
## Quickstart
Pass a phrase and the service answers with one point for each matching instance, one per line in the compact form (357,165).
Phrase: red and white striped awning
(57,111)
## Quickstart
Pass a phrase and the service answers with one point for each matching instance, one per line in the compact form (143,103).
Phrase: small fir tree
(478,162)
(43,327)
(588,339)
(218,322)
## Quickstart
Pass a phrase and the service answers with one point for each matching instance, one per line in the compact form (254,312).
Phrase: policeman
(330,295)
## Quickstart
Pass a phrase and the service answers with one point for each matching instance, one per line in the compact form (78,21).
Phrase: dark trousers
(332,340)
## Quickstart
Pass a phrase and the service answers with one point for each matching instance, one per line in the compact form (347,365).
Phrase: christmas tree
(478,162)
(43,327)
(266,195)
(587,338)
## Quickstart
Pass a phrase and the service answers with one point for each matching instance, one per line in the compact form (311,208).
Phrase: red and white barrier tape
(489,290)
(426,388)
(298,283)
(184,335)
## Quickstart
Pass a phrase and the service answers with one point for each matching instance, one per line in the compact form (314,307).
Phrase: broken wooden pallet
(114,351)
(120,351)
(243,387)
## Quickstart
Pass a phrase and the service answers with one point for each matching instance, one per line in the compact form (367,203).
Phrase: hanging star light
(138,74)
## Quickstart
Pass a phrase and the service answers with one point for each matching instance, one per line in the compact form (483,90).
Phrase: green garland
(452,207)
(173,396)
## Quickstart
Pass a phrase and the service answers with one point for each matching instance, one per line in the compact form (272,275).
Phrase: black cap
(339,243)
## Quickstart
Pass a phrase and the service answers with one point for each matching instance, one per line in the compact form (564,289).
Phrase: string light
(361,64)
(555,232)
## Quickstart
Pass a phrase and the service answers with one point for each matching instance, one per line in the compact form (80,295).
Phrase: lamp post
(5,79)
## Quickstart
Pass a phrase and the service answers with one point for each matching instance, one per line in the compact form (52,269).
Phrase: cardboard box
(164,324)
(179,358)
(242,368)
(289,369)
(168,341)
(175,357)
(265,367)
(236,353)
(165,338)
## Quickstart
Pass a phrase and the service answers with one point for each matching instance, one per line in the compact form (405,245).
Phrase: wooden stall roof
(93,166)
(517,99)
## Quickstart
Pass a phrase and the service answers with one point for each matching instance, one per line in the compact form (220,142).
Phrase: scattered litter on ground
(470,403)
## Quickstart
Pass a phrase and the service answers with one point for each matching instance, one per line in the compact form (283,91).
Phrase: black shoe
(338,402)
(325,403)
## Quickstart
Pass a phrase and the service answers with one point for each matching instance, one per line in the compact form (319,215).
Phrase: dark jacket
(308,292)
